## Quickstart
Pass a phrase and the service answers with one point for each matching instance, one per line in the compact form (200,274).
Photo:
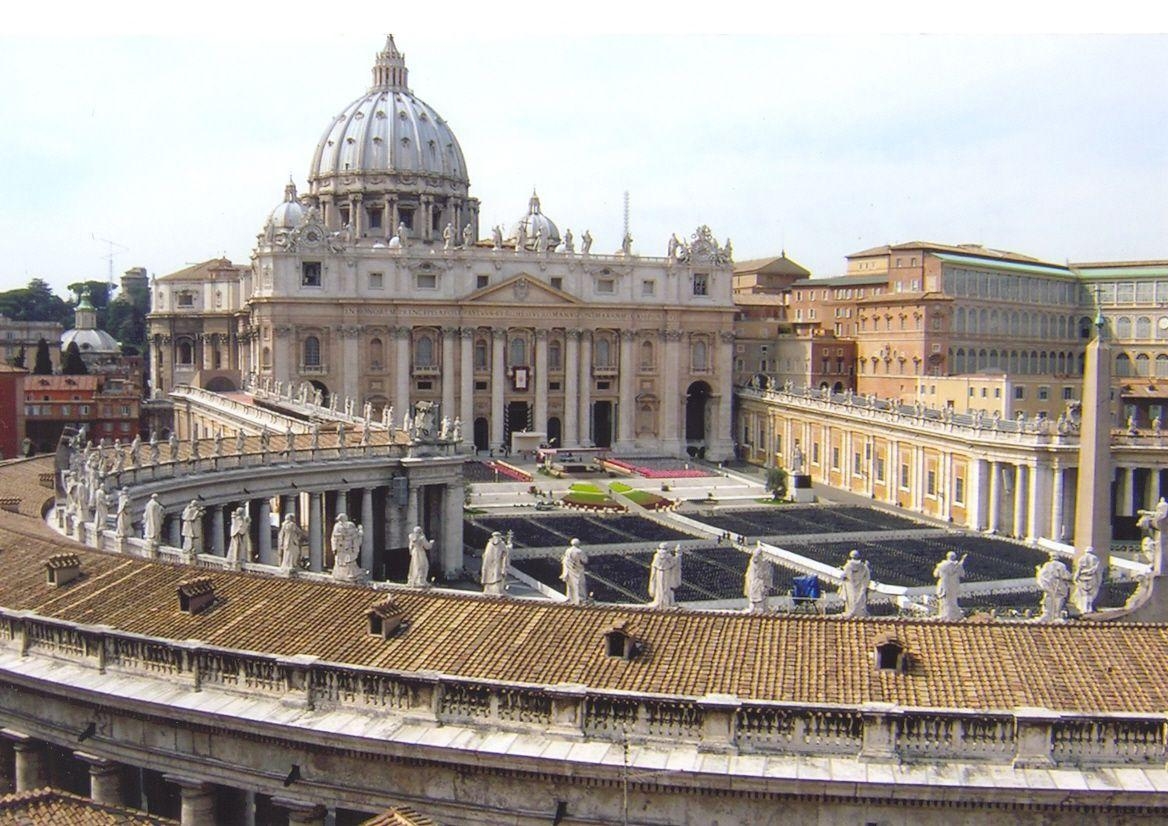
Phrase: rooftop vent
(10,504)
(62,568)
(195,595)
(385,618)
(890,654)
(619,642)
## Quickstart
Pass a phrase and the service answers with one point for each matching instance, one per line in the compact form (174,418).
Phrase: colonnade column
(448,334)
(1123,494)
(541,381)
(105,779)
(452,531)
(264,531)
(571,437)
(174,528)
(315,530)
(394,532)
(995,525)
(366,559)
(1153,488)
(401,369)
(466,384)
(412,517)
(1020,484)
(301,813)
(198,801)
(498,378)
(217,529)
(1056,506)
(585,388)
(975,501)
(32,769)
(626,438)
(1039,516)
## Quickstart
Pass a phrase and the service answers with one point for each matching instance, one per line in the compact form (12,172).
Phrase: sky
(167,140)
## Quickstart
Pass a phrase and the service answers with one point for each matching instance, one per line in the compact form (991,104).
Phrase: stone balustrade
(718,723)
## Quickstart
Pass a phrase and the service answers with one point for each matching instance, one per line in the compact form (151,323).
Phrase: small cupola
(890,654)
(195,595)
(386,619)
(619,641)
(62,569)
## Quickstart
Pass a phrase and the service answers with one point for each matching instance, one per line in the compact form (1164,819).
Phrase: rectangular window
(186,299)
(84,410)
(1068,393)
(904,476)
(480,385)
(310,274)
(815,453)
(557,282)
(1043,393)
(857,464)
(374,214)
(482,282)
(427,281)
(376,281)
(931,482)
(879,468)
(835,458)
(605,285)
(426,385)
(603,385)
(1019,393)
(701,283)
(648,287)
(959,490)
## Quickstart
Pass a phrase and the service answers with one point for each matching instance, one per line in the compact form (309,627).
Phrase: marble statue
(448,236)
(586,242)
(419,574)
(1054,580)
(572,572)
(569,241)
(332,405)
(302,393)
(155,453)
(367,412)
(265,441)
(948,574)
(346,544)
(756,585)
(496,558)
(218,443)
(172,443)
(136,451)
(664,575)
(101,506)
(402,235)
(119,458)
(854,586)
(456,430)
(540,240)
(315,445)
(239,547)
(796,459)
(467,237)
(239,441)
(290,442)
(152,523)
(387,416)
(627,244)
(520,238)
(317,397)
(290,540)
(349,406)
(341,444)
(497,238)
(124,523)
(407,423)
(192,529)
(1087,578)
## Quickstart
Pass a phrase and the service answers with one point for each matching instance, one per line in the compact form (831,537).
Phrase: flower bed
(583,496)
(510,472)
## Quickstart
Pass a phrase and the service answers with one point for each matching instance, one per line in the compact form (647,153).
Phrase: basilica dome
(288,213)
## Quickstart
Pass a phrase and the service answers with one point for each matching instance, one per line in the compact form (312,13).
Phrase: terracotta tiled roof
(401,816)
(21,479)
(52,807)
(200,271)
(811,660)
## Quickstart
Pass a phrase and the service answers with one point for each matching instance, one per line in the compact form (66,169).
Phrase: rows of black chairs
(780,521)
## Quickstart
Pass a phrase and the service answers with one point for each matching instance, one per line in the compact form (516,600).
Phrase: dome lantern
(389,71)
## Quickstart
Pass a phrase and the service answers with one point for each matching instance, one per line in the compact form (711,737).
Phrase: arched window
(185,353)
(376,353)
(646,355)
(700,355)
(312,352)
(603,352)
(517,351)
(480,354)
(1162,366)
(1143,328)
(1042,364)
(1123,365)
(555,355)
(1123,328)
(959,320)
(424,351)
(1143,365)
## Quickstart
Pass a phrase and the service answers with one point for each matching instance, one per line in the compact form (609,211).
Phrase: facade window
(376,281)
(879,468)
(646,355)
(555,356)
(603,354)
(701,283)
(605,285)
(1019,393)
(185,354)
(374,215)
(310,274)
(835,458)
(931,482)
(186,299)
(480,354)
(1043,393)
(427,281)
(517,353)
(376,353)
(857,464)
(815,453)
(482,282)
(959,490)
(648,287)
(701,357)
(312,352)
(424,352)
(557,282)
(904,476)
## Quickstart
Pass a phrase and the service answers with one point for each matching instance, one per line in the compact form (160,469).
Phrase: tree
(776,483)
(43,366)
(35,302)
(19,360)
(72,364)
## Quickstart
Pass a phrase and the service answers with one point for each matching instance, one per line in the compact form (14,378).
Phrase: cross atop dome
(389,71)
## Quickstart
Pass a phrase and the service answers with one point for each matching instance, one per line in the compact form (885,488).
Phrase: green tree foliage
(99,295)
(72,363)
(776,482)
(36,302)
(126,322)
(19,360)
(43,366)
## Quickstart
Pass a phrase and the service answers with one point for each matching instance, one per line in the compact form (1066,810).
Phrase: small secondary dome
(90,340)
(535,222)
(288,214)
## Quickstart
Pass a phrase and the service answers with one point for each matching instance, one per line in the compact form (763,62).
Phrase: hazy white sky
(174,138)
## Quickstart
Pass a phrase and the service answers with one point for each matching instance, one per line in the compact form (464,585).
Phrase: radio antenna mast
(110,255)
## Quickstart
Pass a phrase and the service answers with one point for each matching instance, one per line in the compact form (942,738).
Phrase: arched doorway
(324,392)
(602,423)
(482,438)
(554,432)
(838,387)
(697,401)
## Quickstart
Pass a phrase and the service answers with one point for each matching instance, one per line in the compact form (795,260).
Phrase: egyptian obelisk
(1093,491)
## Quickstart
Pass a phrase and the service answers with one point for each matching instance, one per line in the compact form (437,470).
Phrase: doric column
(995,525)
(541,381)
(672,437)
(105,779)
(366,559)
(498,380)
(627,405)
(32,768)
(217,523)
(466,381)
(1153,488)
(412,516)
(452,531)
(448,377)
(401,370)
(975,496)
(571,429)
(1056,506)
(1038,517)
(263,525)
(174,532)
(316,530)
(301,813)
(585,408)
(198,801)
(1020,484)
(394,532)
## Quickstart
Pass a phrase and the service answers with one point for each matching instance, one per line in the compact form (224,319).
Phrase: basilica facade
(374,285)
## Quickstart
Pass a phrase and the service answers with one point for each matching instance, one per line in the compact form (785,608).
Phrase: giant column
(498,377)
(585,389)
(541,382)
(401,370)
(628,393)
(571,429)
(466,385)
(448,334)
(672,439)
(1093,494)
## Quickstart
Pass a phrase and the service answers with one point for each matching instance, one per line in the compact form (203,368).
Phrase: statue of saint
(346,544)
(419,574)
(756,586)
(586,242)
(497,238)
(796,459)
(948,574)
(1054,580)
(569,241)
(448,236)
(572,572)
(290,540)
(496,558)
(854,587)
(664,575)
(172,443)
(124,523)
(152,523)
(456,430)
(1088,579)
(101,505)
(192,529)
(1152,524)
(467,237)
(239,548)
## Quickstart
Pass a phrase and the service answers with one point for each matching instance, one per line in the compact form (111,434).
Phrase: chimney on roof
(62,569)
(385,618)
(195,595)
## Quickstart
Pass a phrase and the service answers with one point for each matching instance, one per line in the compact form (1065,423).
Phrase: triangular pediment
(521,289)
